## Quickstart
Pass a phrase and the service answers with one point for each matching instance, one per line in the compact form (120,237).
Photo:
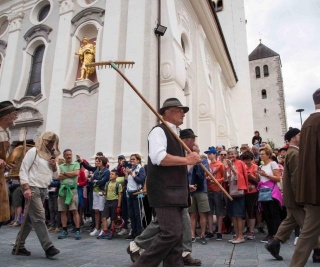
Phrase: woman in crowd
(269,176)
(135,176)
(256,139)
(251,196)
(237,173)
(100,177)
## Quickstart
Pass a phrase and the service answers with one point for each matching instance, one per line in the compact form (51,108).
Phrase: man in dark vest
(307,185)
(167,186)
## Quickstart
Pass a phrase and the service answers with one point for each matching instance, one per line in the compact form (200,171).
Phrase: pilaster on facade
(15,21)
(66,6)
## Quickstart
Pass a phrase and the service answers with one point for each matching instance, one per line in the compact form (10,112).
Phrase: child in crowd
(113,193)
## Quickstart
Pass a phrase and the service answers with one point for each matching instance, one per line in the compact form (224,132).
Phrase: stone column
(15,20)
(109,102)
(132,119)
(60,65)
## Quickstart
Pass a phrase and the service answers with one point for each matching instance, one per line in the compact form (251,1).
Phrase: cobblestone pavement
(90,251)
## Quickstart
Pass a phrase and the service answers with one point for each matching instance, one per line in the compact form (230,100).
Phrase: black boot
(274,248)
(52,251)
(316,255)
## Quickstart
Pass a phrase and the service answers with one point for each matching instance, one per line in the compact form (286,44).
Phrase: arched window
(265,71)
(258,72)
(34,85)
(219,5)
(263,94)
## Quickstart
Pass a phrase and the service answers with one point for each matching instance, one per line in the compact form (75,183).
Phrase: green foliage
(271,143)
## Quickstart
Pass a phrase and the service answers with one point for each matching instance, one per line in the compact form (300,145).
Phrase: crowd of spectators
(113,201)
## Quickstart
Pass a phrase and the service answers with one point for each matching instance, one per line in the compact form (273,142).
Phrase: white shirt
(268,169)
(4,135)
(158,143)
(40,174)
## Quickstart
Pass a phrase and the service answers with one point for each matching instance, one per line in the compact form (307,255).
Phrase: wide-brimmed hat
(187,133)
(7,107)
(172,102)
(211,150)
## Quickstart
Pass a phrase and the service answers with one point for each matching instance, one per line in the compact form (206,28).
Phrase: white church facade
(201,60)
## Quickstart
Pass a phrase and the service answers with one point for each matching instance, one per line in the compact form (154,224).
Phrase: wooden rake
(115,65)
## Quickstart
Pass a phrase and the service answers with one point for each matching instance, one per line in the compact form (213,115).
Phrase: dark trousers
(167,245)
(124,208)
(134,210)
(55,219)
(271,214)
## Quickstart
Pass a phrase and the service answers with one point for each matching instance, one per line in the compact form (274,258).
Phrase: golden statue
(86,54)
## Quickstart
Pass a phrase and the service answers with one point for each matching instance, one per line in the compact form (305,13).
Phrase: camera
(127,164)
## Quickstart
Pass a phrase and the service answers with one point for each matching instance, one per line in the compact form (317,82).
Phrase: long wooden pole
(114,66)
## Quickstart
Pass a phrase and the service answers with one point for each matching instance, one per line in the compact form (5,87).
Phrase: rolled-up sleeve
(157,145)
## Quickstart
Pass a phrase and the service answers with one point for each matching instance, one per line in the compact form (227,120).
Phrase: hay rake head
(112,64)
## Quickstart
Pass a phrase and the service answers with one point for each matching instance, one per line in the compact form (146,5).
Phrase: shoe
(295,241)
(110,236)
(231,240)
(209,236)
(77,235)
(133,255)
(123,231)
(261,231)
(238,241)
(50,229)
(21,252)
(63,234)
(57,230)
(130,237)
(103,236)
(316,255)
(189,261)
(193,239)
(16,224)
(250,236)
(266,239)
(101,232)
(52,251)
(95,232)
(203,241)
(219,237)
(11,223)
(274,248)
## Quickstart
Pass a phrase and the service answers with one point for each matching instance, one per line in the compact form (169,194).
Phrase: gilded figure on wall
(86,55)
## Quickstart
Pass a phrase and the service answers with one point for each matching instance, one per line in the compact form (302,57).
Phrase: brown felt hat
(172,102)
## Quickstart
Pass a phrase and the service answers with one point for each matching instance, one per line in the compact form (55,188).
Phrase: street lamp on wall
(160,30)
(300,110)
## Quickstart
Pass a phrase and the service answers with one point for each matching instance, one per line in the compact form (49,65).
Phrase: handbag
(233,189)
(265,194)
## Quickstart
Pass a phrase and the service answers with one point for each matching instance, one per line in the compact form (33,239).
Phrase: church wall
(233,23)
(110,117)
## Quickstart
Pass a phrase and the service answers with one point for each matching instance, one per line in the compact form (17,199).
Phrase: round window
(43,13)
(4,23)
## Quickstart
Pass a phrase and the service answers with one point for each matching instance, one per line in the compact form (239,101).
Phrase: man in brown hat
(8,114)
(37,170)
(167,185)
(307,185)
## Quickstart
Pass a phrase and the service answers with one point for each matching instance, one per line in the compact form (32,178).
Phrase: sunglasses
(223,154)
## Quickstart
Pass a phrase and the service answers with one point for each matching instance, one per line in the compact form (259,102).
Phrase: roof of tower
(261,51)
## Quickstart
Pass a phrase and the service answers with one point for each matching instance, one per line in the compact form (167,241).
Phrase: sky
(292,29)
